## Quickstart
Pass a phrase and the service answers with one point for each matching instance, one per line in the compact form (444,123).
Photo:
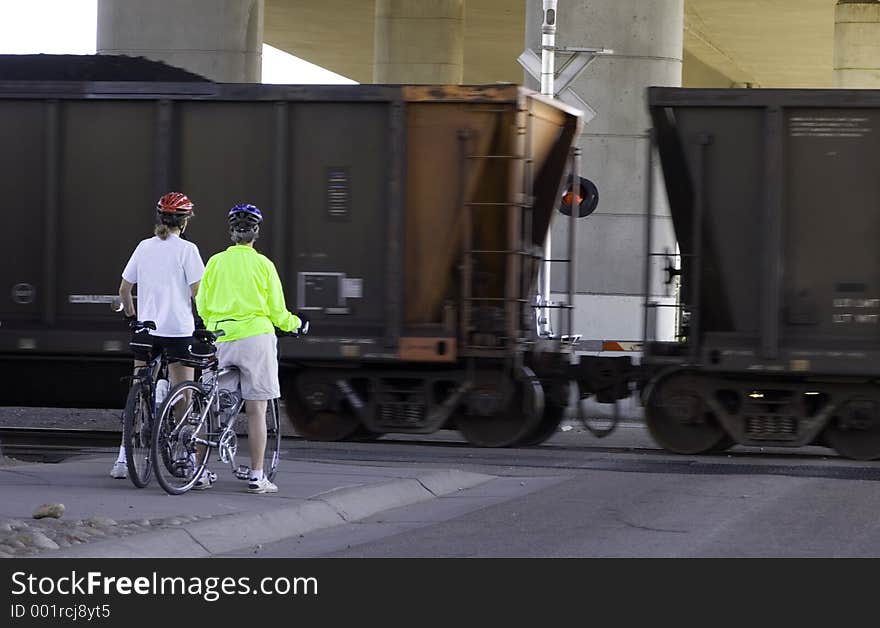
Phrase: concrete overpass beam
(419,41)
(857,44)
(219,39)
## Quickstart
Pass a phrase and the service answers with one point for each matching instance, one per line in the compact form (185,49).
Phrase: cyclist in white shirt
(167,270)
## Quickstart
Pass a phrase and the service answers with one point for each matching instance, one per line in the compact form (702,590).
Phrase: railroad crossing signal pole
(556,85)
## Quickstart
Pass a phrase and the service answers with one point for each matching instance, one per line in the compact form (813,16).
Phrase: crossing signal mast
(558,85)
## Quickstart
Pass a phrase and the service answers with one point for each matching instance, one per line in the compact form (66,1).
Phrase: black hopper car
(775,201)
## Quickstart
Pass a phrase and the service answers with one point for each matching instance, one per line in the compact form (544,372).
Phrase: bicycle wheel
(273,440)
(136,434)
(175,455)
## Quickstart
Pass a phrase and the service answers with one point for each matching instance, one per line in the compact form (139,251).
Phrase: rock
(49,510)
(44,542)
(37,539)
(80,534)
(100,521)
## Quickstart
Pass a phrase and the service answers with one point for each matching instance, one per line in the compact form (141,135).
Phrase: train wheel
(317,412)
(855,431)
(679,420)
(554,414)
(511,411)
(547,427)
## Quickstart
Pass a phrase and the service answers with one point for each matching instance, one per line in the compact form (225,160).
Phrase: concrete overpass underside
(783,43)
(338,35)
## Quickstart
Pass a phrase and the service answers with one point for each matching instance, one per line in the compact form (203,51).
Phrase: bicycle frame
(149,374)
(226,451)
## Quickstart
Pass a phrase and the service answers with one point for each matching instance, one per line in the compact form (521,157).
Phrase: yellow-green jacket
(241,294)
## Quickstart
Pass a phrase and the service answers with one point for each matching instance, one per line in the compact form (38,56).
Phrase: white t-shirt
(164,270)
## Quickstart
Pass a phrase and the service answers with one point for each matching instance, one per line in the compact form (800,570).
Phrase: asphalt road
(579,496)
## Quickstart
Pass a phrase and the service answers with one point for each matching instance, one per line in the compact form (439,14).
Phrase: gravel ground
(66,418)
(29,537)
(19,537)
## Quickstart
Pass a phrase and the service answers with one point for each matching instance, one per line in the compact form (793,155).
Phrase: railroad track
(49,444)
(56,444)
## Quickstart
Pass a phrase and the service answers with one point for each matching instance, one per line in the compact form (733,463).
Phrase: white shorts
(257,360)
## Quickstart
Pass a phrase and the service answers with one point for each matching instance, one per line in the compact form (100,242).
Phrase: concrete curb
(228,533)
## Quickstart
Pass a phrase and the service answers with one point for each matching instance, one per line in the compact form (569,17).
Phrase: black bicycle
(148,384)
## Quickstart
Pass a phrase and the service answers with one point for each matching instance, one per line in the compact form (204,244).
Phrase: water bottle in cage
(162,387)
(207,377)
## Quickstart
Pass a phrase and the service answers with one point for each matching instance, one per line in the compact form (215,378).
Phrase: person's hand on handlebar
(304,319)
(300,331)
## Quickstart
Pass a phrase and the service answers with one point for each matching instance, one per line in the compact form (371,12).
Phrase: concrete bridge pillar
(646,38)
(857,44)
(219,39)
(419,41)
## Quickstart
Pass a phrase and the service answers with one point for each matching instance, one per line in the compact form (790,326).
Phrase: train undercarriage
(491,403)
(692,412)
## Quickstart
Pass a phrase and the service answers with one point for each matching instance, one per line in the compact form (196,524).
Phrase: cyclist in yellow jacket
(241,294)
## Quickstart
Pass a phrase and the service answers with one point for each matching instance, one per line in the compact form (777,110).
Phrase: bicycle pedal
(242,472)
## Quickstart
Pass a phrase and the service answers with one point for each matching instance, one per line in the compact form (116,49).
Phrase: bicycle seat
(140,326)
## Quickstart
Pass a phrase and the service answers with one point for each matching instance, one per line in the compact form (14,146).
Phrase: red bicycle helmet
(176,204)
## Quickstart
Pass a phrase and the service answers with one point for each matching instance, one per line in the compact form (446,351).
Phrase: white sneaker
(263,485)
(119,470)
(206,480)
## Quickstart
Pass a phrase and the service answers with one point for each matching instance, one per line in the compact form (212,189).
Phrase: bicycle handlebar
(205,335)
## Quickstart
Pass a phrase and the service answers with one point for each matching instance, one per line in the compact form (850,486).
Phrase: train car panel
(23,128)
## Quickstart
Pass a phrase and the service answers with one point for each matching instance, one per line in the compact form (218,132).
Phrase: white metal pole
(548,74)
(548,48)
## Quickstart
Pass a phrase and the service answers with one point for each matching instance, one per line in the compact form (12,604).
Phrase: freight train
(407,221)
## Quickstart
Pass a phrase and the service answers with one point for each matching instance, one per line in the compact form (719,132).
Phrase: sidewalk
(107,518)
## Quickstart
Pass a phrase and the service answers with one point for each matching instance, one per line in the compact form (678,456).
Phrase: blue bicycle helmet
(244,222)
(245,212)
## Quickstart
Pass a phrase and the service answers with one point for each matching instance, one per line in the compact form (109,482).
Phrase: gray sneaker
(119,471)
(263,485)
